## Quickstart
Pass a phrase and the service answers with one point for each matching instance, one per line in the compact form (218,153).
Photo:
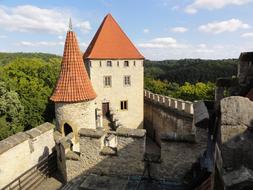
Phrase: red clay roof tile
(110,42)
(73,84)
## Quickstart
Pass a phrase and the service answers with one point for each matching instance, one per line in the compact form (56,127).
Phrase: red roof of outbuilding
(110,42)
(73,84)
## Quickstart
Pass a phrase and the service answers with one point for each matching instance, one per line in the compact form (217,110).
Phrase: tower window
(126,63)
(107,81)
(124,105)
(127,80)
(109,63)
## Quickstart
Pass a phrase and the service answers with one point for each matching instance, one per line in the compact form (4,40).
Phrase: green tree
(198,91)
(11,112)
(33,79)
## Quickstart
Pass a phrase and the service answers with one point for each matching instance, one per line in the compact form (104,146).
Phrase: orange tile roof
(73,84)
(110,42)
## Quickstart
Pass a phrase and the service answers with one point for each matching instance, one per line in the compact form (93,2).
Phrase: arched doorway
(67,129)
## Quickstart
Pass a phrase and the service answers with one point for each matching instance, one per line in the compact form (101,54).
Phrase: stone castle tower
(73,95)
(115,68)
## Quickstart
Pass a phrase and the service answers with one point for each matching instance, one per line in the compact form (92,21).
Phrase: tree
(198,91)
(33,80)
(11,112)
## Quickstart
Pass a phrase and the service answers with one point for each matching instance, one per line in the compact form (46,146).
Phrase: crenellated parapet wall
(166,115)
(178,104)
(22,151)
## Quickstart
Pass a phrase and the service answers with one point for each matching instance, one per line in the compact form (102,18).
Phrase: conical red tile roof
(110,42)
(73,84)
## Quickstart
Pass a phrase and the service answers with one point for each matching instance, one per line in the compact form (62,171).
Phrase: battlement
(23,150)
(178,104)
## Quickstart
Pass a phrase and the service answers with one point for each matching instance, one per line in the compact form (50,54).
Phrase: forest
(27,81)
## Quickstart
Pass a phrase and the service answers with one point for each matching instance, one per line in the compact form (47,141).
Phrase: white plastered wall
(133,117)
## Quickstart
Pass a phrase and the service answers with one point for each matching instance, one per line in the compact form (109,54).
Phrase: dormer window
(126,63)
(109,63)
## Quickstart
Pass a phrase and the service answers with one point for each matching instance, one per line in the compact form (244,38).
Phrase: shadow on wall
(124,161)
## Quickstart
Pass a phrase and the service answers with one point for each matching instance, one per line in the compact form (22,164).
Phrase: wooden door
(105,108)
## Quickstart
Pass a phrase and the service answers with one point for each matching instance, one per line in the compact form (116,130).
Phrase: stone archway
(67,129)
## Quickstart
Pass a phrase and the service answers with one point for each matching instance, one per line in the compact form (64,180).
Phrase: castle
(105,120)
(109,80)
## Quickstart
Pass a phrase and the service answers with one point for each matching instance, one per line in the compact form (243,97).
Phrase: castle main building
(107,78)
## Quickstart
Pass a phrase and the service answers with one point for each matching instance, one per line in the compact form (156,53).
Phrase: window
(100,63)
(126,64)
(127,80)
(117,63)
(123,105)
(90,64)
(107,81)
(134,63)
(109,63)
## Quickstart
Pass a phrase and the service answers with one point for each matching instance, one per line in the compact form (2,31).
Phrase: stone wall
(126,159)
(77,115)
(21,151)
(178,153)
(164,115)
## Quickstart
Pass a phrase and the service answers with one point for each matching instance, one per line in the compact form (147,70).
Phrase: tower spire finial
(70,24)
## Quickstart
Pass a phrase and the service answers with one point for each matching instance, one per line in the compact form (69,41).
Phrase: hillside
(190,70)
(6,58)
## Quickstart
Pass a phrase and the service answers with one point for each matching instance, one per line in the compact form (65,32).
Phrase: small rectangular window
(123,105)
(127,80)
(100,63)
(107,81)
(117,63)
(126,63)
(134,63)
(109,63)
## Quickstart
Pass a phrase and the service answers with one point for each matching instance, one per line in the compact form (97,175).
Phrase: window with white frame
(107,81)
(124,105)
(109,63)
(127,80)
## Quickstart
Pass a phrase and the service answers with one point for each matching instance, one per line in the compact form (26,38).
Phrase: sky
(160,29)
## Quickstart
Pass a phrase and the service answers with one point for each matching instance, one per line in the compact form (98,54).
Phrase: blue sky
(161,29)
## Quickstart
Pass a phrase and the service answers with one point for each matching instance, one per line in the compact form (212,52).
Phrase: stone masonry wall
(164,115)
(21,151)
(177,156)
(77,115)
(126,159)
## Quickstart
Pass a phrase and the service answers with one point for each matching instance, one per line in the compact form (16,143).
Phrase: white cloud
(28,18)
(165,42)
(40,43)
(3,36)
(223,26)
(84,26)
(146,30)
(212,4)
(179,29)
(246,35)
